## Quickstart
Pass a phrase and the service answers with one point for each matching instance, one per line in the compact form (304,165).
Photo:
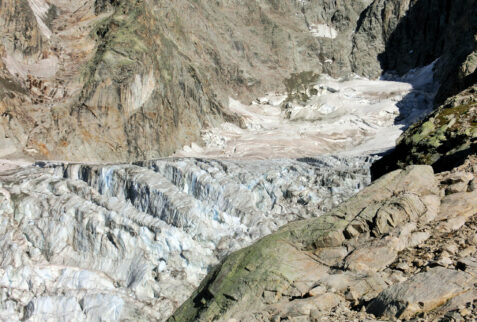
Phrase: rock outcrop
(443,139)
(404,247)
(448,135)
(411,33)
(132,242)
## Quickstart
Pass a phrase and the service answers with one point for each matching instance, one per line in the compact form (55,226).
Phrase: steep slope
(411,33)
(122,80)
(403,248)
(443,139)
(429,30)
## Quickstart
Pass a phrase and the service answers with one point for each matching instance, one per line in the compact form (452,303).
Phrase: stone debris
(357,116)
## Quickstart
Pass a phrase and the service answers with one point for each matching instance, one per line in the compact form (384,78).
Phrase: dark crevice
(302,297)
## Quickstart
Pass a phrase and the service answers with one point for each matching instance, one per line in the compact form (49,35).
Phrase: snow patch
(40,10)
(323,31)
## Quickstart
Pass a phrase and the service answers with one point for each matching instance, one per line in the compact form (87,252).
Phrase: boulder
(421,293)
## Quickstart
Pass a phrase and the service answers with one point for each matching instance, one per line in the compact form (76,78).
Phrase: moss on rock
(440,140)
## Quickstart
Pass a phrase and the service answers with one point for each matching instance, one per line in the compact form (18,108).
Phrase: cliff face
(98,80)
(443,139)
(411,33)
(122,80)
(430,30)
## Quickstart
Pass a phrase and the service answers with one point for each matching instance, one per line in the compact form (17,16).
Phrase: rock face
(409,298)
(403,247)
(132,242)
(443,139)
(449,134)
(84,79)
(411,33)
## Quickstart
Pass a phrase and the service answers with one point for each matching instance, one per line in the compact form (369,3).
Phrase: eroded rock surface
(402,248)
(134,241)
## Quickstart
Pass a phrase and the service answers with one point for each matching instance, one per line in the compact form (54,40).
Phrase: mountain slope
(122,80)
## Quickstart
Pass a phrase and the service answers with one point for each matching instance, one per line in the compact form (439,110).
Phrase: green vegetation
(457,113)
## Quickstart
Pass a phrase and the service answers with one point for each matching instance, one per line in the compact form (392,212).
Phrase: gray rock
(370,259)
(468,265)
(458,182)
(396,211)
(422,293)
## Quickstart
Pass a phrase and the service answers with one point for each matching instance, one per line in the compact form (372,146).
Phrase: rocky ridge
(448,135)
(443,139)
(403,248)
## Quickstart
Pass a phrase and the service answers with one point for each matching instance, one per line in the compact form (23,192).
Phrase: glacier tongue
(134,240)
